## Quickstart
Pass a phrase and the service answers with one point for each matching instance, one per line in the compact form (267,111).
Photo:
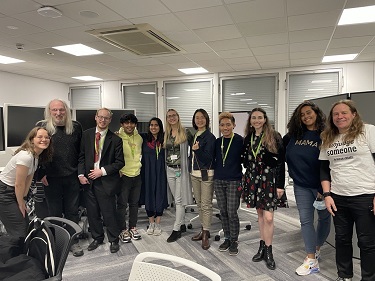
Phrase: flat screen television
(87,118)
(2,134)
(19,121)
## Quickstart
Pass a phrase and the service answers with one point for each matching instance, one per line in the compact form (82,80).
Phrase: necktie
(97,146)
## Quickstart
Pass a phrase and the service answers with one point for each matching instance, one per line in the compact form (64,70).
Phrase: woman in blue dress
(154,179)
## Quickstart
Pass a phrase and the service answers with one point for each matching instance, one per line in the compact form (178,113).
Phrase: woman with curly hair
(302,144)
(15,180)
(264,179)
(347,177)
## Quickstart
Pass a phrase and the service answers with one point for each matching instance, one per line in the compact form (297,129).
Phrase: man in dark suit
(101,157)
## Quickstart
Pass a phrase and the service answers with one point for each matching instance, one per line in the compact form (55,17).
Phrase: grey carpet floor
(288,251)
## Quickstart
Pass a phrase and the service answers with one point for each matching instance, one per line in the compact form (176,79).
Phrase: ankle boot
(260,255)
(198,236)
(205,241)
(268,257)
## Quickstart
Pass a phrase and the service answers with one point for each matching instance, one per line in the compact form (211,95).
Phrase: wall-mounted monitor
(87,118)
(326,103)
(364,102)
(2,133)
(19,120)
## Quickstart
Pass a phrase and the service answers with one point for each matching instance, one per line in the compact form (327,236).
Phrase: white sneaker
(150,229)
(309,266)
(317,255)
(157,229)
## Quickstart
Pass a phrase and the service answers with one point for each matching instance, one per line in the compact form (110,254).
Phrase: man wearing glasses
(100,160)
(61,185)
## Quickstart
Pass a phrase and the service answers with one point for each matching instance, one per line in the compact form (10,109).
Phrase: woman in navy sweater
(302,144)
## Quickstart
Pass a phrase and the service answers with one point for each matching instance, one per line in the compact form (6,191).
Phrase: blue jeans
(312,237)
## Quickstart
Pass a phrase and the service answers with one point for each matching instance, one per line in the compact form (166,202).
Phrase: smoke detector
(50,12)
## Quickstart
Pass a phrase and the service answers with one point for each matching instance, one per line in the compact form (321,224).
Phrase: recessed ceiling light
(195,70)
(78,50)
(50,54)
(87,78)
(339,58)
(148,93)
(357,15)
(9,60)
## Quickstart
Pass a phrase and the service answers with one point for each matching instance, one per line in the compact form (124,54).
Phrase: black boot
(174,236)
(260,255)
(268,257)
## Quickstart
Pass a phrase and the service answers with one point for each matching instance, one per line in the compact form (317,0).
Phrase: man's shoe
(114,247)
(198,236)
(183,228)
(134,234)
(76,250)
(205,241)
(125,236)
(225,246)
(233,248)
(174,236)
(94,244)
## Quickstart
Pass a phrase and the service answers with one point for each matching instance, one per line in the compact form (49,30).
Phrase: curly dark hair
(295,126)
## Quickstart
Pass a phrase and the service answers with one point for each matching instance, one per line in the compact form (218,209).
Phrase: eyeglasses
(172,116)
(41,137)
(103,118)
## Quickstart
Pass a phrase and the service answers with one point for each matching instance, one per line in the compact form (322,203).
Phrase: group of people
(331,164)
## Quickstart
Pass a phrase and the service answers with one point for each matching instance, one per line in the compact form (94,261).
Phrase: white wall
(23,90)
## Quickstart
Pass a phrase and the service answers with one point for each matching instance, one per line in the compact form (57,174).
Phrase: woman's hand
(195,146)
(330,204)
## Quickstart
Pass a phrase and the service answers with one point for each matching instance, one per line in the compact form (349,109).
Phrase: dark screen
(364,103)
(20,120)
(2,135)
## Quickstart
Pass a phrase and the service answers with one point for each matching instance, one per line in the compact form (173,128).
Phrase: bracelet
(325,194)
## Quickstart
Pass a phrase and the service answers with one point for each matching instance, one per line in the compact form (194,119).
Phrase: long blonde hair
(269,134)
(181,133)
(48,120)
(331,131)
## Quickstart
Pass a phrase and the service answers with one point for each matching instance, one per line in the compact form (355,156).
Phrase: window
(186,97)
(245,94)
(86,97)
(307,86)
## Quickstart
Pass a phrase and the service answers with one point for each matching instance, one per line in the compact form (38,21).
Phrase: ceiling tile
(235,53)
(257,10)
(269,39)
(309,46)
(343,51)
(218,33)
(262,27)
(309,54)
(207,17)
(228,44)
(244,60)
(354,30)
(136,8)
(309,21)
(163,23)
(315,34)
(13,7)
(349,42)
(196,48)
(301,7)
(202,56)
(269,58)
(183,37)
(183,5)
(305,61)
(275,64)
(266,50)
(22,27)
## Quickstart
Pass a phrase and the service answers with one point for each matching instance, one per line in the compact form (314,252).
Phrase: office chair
(150,271)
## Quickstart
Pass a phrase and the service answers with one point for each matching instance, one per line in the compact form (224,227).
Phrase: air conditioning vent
(141,39)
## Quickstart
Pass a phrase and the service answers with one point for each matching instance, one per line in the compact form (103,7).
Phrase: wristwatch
(325,194)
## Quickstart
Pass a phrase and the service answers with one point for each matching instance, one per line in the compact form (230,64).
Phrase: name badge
(174,157)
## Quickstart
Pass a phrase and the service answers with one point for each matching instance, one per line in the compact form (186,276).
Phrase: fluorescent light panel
(9,60)
(357,15)
(195,70)
(87,78)
(346,57)
(238,94)
(148,93)
(78,50)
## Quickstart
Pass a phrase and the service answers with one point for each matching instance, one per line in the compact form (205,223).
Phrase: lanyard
(222,148)
(255,153)
(157,149)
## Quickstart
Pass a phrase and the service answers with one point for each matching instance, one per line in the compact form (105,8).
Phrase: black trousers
(355,210)
(10,215)
(62,195)
(98,205)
